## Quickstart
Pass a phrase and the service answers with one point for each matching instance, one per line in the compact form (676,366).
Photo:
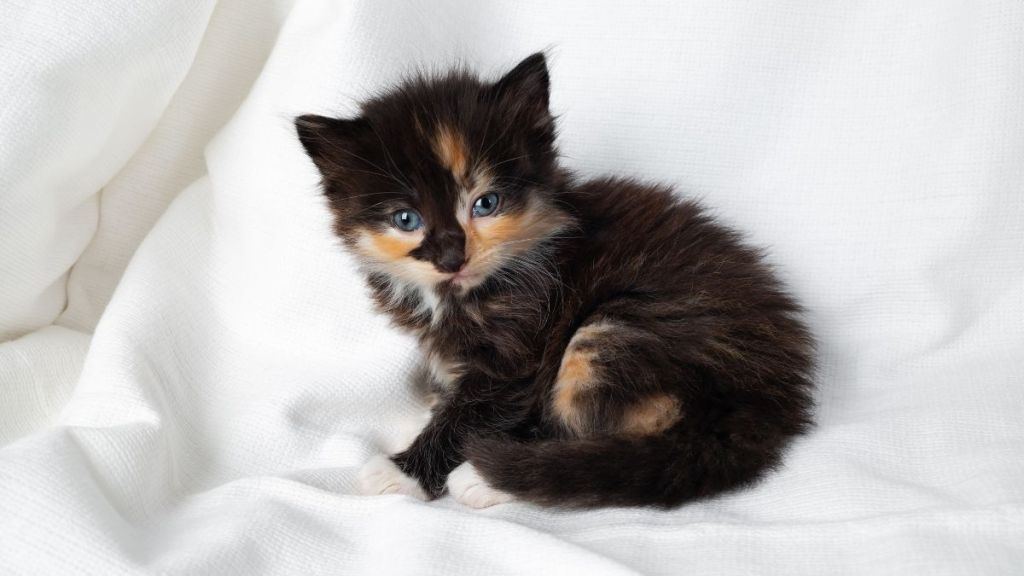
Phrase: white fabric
(237,379)
(83,84)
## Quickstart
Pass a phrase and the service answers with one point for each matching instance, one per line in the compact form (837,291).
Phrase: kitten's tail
(666,470)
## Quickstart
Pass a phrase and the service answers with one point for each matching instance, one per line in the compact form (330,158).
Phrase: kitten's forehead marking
(450,148)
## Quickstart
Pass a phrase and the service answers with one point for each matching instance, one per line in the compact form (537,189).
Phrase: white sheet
(83,83)
(237,379)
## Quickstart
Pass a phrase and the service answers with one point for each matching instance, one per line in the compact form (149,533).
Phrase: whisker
(507,160)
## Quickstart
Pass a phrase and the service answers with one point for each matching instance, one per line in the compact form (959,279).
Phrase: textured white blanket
(210,414)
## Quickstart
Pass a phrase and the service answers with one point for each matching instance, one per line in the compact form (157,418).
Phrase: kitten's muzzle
(445,248)
(450,261)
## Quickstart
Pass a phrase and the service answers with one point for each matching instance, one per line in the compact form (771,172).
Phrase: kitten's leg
(381,476)
(481,409)
(409,428)
(467,487)
(610,381)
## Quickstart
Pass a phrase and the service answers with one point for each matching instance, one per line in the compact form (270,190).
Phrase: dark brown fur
(690,369)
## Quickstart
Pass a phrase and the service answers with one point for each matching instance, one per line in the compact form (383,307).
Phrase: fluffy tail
(666,470)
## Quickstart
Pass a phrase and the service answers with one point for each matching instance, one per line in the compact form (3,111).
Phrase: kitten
(593,343)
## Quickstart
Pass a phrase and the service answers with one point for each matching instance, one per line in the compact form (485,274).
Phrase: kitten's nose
(450,262)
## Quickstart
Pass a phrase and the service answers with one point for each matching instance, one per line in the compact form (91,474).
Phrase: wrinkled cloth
(193,375)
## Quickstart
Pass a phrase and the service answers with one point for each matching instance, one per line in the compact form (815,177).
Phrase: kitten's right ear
(328,141)
(526,89)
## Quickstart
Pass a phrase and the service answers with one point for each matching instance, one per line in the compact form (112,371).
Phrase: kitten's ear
(328,140)
(526,89)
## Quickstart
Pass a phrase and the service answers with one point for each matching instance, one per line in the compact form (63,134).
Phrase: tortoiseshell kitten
(593,343)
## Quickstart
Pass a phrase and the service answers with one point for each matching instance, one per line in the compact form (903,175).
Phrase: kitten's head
(442,182)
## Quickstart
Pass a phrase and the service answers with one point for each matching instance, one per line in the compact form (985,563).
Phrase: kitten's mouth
(464,278)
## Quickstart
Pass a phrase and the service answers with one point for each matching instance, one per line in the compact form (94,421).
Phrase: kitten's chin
(465,282)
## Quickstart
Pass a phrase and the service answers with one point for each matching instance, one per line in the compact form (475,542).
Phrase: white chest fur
(444,371)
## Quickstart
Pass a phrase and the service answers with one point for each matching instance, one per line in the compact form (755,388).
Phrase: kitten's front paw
(381,476)
(467,487)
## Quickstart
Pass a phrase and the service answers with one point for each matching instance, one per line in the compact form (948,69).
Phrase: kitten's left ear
(526,89)
(328,140)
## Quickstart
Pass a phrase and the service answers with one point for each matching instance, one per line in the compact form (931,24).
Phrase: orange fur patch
(589,331)
(390,247)
(510,234)
(651,416)
(451,150)
(391,250)
(576,375)
(497,231)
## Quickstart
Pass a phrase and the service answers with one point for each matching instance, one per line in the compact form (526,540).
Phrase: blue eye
(485,205)
(406,220)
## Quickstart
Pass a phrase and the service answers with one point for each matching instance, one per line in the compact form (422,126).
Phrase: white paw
(381,476)
(467,487)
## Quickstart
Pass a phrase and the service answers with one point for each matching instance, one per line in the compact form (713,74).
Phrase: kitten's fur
(605,343)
